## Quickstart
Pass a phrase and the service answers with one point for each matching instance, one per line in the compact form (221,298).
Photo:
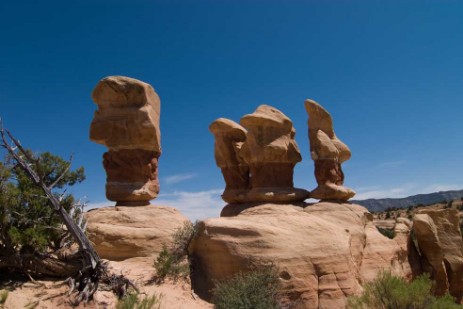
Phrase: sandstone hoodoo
(229,137)
(271,152)
(127,122)
(257,158)
(328,153)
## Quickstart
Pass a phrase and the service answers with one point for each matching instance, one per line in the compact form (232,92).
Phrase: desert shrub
(449,205)
(386,232)
(389,291)
(173,262)
(169,265)
(3,296)
(182,238)
(132,301)
(257,289)
(29,227)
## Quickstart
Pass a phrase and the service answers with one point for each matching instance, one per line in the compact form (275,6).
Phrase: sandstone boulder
(127,122)
(324,252)
(328,153)
(440,244)
(120,233)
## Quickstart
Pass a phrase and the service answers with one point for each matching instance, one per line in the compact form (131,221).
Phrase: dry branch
(85,270)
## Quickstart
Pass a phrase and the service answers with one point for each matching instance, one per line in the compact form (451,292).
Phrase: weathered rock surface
(120,233)
(127,122)
(127,116)
(328,153)
(271,153)
(324,252)
(440,244)
(229,137)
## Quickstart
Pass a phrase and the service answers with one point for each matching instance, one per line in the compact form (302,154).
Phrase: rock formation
(119,233)
(271,153)
(441,247)
(257,161)
(323,252)
(127,122)
(328,153)
(229,137)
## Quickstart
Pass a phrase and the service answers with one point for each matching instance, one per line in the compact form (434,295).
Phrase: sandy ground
(52,294)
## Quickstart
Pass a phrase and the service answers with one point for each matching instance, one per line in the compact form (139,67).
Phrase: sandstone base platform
(119,233)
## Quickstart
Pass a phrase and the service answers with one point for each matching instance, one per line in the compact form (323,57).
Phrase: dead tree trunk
(92,270)
(89,253)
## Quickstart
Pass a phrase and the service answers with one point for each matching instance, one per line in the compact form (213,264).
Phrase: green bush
(257,289)
(3,296)
(132,301)
(169,265)
(389,291)
(173,261)
(27,223)
(386,232)
(182,238)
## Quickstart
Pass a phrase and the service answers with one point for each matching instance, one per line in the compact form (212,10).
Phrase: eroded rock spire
(328,153)
(127,122)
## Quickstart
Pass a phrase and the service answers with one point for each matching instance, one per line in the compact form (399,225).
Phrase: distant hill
(378,205)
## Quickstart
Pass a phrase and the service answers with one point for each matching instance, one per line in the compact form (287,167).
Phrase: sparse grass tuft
(132,301)
(254,290)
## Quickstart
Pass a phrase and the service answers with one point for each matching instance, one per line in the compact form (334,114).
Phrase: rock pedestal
(323,252)
(127,122)
(328,153)
(119,233)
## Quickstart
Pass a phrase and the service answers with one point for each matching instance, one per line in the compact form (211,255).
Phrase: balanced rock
(229,137)
(441,247)
(323,252)
(328,153)
(271,153)
(127,122)
(119,233)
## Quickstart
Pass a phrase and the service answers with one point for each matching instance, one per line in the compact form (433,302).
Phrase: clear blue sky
(389,72)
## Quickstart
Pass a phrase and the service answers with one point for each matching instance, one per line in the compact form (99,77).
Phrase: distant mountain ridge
(378,205)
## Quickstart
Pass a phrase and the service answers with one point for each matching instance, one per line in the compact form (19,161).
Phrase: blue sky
(389,72)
